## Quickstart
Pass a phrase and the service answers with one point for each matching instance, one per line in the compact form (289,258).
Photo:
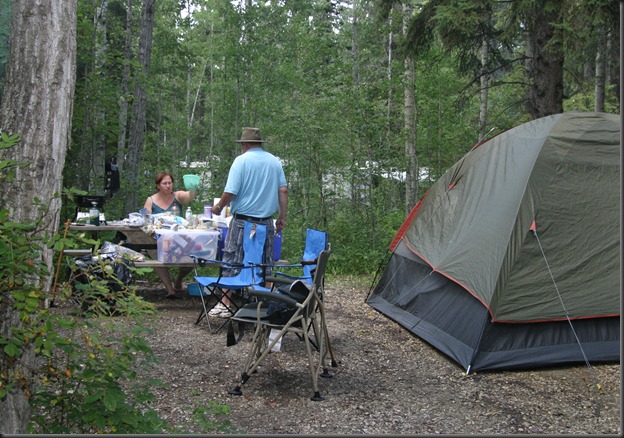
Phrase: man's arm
(226,198)
(283,206)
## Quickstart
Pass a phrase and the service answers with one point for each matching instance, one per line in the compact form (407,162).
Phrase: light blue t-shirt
(255,178)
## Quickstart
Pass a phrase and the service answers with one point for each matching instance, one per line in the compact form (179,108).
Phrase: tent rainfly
(512,258)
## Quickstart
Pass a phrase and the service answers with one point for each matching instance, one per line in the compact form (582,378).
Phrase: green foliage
(87,368)
(7,166)
(90,382)
(80,386)
(357,247)
(584,101)
(211,418)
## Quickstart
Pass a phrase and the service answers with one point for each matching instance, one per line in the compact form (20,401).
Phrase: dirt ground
(387,381)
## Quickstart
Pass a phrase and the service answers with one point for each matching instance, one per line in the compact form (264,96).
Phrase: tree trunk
(191,111)
(390,90)
(544,63)
(599,87)
(123,100)
(485,79)
(98,143)
(139,105)
(411,179)
(37,103)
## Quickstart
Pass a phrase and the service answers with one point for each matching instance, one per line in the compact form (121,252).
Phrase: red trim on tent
(449,277)
(485,140)
(563,318)
(406,223)
(503,321)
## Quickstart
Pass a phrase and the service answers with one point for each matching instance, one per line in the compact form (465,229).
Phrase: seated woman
(163,201)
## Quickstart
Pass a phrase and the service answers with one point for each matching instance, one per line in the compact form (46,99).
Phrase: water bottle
(174,210)
(189,215)
(94,214)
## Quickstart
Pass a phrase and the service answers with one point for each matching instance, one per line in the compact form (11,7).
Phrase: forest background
(366,103)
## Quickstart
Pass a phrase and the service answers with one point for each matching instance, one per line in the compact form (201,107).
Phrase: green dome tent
(512,258)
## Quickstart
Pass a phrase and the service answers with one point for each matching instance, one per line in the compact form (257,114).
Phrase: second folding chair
(315,242)
(250,273)
(295,308)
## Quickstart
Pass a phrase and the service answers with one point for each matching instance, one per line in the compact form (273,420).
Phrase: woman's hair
(159,177)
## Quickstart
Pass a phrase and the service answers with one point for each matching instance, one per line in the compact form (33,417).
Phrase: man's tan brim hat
(250,135)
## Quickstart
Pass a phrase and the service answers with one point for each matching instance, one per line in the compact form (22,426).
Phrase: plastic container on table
(176,246)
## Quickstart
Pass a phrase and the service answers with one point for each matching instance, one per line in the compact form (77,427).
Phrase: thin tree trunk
(98,144)
(189,117)
(137,124)
(123,100)
(37,103)
(212,97)
(389,77)
(411,180)
(599,88)
(485,80)
(191,113)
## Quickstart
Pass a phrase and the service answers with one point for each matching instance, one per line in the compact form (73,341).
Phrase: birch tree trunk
(139,106)
(37,103)
(411,179)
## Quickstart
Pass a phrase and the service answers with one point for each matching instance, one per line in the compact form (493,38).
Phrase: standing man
(256,189)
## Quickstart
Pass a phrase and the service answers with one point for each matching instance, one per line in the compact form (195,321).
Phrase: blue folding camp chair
(298,309)
(315,242)
(250,274)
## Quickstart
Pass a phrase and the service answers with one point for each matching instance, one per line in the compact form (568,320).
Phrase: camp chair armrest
(308,262)
(272,296)
(201,261)
(280,280)
(290,265)
(198,256)
(260,265)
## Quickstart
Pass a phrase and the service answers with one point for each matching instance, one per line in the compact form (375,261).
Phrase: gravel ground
(387,381)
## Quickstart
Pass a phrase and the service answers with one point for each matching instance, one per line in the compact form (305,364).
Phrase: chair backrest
(316,241)
(254,238)
(319,272)
(318,282)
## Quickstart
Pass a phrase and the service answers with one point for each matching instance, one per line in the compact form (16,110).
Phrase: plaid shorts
(233,247)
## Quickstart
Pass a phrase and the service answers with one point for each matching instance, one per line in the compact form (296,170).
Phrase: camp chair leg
(321,310)
(317,397)
(237,389)
(314,368)
(254,357)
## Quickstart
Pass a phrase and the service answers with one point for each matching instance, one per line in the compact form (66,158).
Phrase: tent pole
(476,350)
(382,263)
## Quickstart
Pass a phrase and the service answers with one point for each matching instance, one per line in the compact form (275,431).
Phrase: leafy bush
(86,364)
